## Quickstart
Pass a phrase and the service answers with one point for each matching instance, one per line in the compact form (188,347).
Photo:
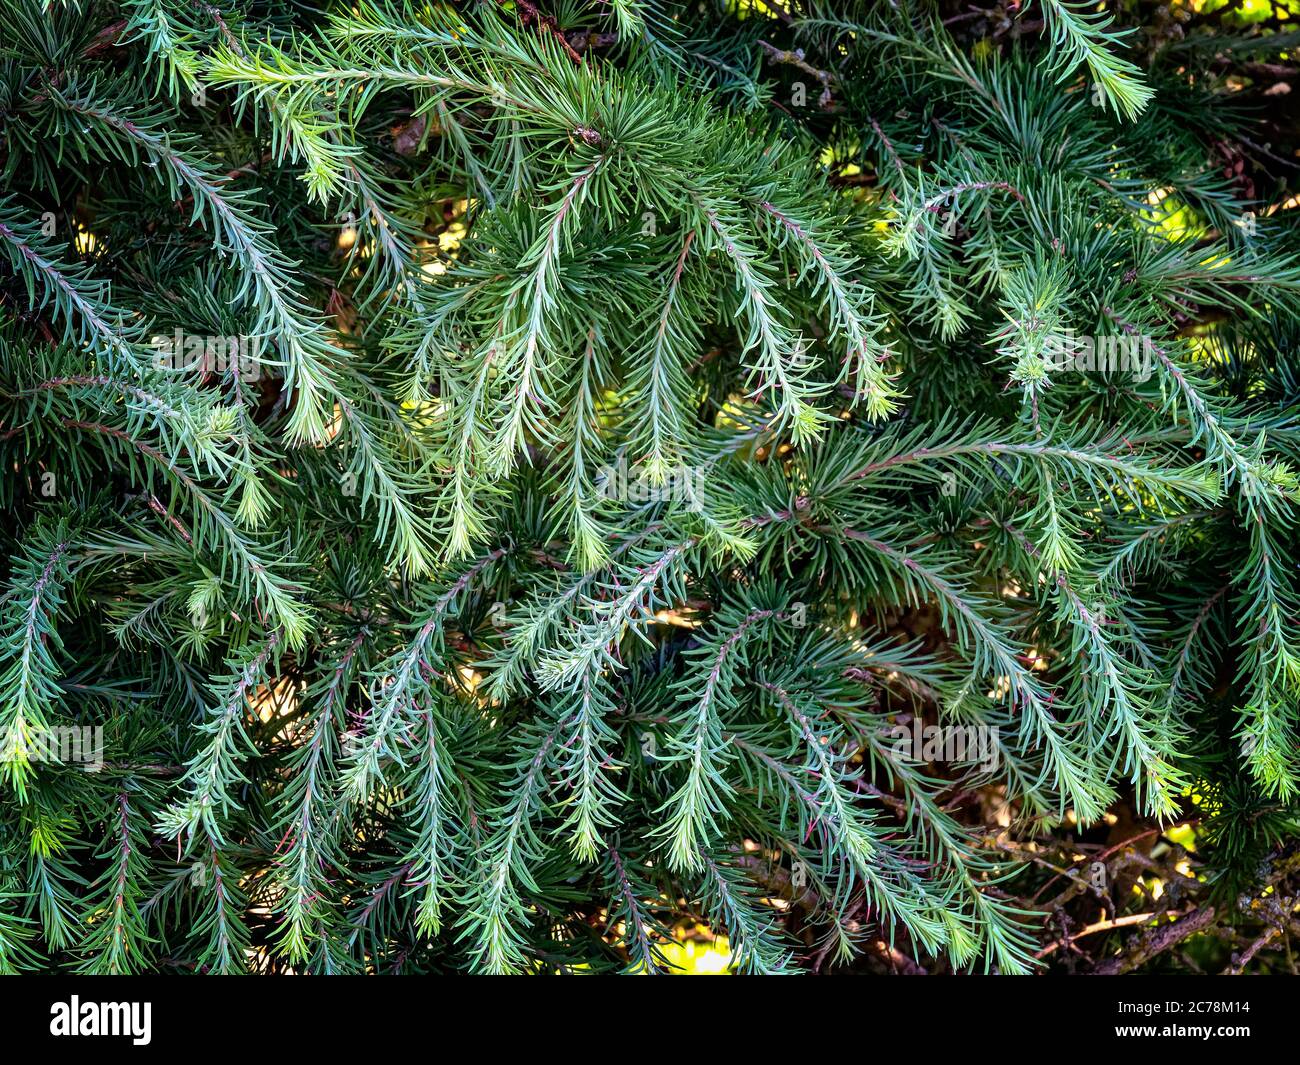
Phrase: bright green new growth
(609,476)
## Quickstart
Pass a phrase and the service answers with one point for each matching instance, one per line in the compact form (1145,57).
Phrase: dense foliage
(504,479)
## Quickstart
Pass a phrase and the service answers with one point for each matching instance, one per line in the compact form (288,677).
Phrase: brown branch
(1157,942)
(529,14)
(796,58)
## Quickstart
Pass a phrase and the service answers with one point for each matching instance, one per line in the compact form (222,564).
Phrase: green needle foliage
(494,482)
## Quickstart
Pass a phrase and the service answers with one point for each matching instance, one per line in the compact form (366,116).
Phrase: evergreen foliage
(607,425)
